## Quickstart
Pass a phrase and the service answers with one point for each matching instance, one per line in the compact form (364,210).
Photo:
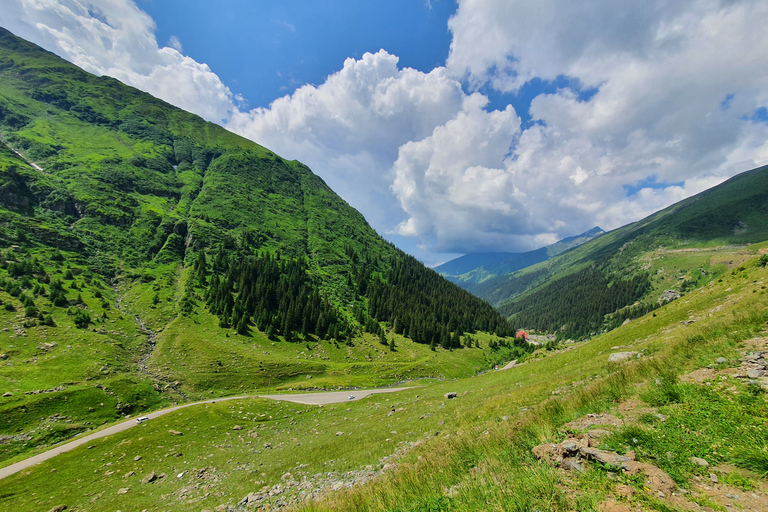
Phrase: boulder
(150,477)
(621,356)
(696,461)
(452,394)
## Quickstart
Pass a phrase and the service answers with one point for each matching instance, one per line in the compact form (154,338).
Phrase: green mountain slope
(624,273)
(470,269)
(148,256)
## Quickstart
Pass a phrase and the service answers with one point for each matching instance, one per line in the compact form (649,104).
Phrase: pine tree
(242,325)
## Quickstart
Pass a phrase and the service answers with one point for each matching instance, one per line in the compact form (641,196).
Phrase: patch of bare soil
(709,493)
(729,497)
(592,420)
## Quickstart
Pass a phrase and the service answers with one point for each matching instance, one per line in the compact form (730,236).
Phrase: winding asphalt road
(321,398)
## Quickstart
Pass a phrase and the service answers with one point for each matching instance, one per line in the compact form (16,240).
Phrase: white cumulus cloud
(116,38)
(349,128)
(674,87)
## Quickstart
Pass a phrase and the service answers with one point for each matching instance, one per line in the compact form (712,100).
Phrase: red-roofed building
(522,334)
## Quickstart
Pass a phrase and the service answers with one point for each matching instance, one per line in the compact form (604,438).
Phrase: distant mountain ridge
(478,267)
(625,273)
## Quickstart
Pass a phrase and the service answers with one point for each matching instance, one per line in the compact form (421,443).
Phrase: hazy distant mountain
(479,267)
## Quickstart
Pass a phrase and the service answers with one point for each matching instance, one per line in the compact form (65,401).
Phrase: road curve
(320,398)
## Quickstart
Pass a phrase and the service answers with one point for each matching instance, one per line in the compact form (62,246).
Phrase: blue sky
(264,50)
(454,126)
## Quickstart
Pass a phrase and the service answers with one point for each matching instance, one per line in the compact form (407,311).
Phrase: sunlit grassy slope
(467,453)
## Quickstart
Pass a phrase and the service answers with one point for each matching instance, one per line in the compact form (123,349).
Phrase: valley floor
(674,383)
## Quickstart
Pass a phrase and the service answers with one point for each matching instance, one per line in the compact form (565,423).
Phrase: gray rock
(755,374)
(699,462)
(7,393)
(452,394)
(59,508)
(237,427)
(721,360)
(151,477)
(620,356)
(124,490)
(669,295)
(570,446)
(175,432)
(573,464)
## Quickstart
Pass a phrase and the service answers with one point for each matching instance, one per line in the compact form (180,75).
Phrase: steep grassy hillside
(149,257)
(625,273)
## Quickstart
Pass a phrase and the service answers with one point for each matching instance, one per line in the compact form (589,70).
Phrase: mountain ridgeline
(471,269)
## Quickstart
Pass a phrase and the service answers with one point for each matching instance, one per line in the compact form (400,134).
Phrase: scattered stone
(150,477)
(721,360)
(699,462)
(339,433)
(714,478)
(621,356)
(573,464)
(452,394)
(124,490)
(137,458)
(7,393)
(754,373)
(59,508)
(669,295)
(237,427)
(175,432)
(129,474)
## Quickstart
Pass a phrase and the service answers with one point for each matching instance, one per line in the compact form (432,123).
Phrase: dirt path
(320,398)
(332,397)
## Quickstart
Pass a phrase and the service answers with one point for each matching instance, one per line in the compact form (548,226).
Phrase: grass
(481,457)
